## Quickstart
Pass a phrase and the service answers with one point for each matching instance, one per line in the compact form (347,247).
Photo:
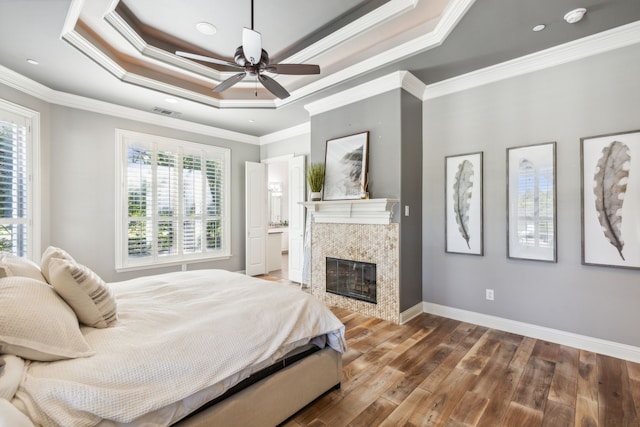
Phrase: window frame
(34,187)
(125,138)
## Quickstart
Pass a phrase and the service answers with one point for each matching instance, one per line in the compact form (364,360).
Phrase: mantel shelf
(358,211)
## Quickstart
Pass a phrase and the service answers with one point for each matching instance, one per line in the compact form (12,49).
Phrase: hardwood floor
(436,371)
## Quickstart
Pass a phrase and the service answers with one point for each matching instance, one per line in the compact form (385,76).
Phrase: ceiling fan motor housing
(241,60)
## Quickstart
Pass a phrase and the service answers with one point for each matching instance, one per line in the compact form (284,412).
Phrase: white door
(297,191)
(255,218)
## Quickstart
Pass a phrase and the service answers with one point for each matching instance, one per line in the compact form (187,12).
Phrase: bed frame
(276,398)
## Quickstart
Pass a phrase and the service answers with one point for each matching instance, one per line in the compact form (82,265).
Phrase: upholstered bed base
(272,400)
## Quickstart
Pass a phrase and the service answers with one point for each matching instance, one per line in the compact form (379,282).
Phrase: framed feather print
(610,169)
(463,204)
(531,202)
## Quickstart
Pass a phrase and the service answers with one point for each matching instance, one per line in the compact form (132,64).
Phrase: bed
(195,348)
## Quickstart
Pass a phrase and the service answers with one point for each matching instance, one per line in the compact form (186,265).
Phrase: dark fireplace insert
(352,279)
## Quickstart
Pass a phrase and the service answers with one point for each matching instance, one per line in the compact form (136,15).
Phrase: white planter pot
(316,196)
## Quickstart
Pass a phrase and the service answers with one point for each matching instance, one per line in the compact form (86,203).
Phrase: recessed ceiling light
(251,121)
(171,100)
(32,61)
(206,28)
(539,27)
(575,15)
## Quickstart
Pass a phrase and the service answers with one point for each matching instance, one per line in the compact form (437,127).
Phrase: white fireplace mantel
(367,211)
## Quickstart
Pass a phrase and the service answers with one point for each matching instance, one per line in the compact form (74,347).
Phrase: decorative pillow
(88,295)
(11,416)
(50,253)
(10,375)
(36,324)
(13,265)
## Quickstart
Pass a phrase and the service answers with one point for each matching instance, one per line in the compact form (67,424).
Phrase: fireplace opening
(351,279)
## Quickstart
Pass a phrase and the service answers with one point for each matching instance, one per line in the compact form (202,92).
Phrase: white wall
(593,96)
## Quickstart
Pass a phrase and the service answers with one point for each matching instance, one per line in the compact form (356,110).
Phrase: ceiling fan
(254,61)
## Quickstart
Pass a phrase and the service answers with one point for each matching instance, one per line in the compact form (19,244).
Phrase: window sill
(171,263)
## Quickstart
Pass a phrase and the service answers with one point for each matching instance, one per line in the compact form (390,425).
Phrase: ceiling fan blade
(229,82)
(273,86)
(206,59)
(298,69)
(251,45)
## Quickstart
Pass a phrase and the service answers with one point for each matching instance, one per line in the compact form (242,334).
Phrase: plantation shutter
(140,200)
(15,215)
(175,201)
(214,171)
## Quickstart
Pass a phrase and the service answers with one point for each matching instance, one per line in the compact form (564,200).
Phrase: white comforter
(177,333)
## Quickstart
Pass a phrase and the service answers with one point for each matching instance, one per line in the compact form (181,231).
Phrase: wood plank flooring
(435,371)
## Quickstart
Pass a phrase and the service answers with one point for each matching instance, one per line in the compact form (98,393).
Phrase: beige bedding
(177,334)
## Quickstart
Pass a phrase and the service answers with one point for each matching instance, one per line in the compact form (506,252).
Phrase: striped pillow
(87,294)
(50,253)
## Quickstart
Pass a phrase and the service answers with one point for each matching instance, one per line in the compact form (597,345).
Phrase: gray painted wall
(298,145)
(78,184)
(593,96)
(83,182)
(380,115)
(411,196)
(393,120)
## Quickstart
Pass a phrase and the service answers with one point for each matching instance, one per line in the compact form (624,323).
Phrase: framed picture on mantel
(346,160)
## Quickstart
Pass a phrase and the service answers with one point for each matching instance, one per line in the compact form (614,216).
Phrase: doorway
(278,218)
(275,217)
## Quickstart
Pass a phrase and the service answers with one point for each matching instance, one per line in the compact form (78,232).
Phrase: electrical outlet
(489,294)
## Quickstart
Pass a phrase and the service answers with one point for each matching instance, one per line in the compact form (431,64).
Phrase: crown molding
(376,17)
(605,41)
(143,48)
(37,90)
(281,135)
(452,14)
(396,80)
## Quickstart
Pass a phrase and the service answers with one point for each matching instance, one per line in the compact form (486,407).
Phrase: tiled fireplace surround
(358,231)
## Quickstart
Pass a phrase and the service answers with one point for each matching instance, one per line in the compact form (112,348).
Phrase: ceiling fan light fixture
(206,28)
(575,15)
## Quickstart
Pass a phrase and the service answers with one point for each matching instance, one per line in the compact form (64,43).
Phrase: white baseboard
(609,348)
(410,313)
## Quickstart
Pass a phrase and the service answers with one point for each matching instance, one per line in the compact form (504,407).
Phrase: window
(19,185)
(173,201)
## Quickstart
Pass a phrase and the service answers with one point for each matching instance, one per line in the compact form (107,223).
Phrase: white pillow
(87,294)
(50,253)
(10,375)
(13,265)
(10,416)
(36,324)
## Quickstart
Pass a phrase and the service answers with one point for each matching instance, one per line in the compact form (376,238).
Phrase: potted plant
(315,178)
